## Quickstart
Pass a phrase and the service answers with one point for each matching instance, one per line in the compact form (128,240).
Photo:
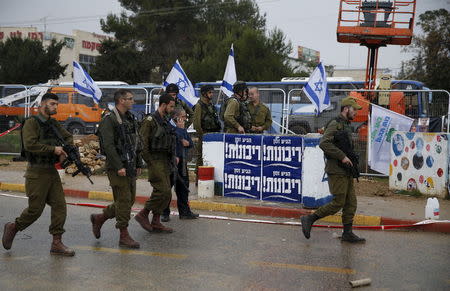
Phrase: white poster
(383,123)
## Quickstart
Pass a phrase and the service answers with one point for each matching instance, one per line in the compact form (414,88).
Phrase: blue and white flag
(178,76)
(317,89)
(229,78)
(84,84)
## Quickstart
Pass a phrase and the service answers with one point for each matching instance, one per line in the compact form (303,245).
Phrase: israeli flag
(84,84)
(178,77)
(317,89)
(229,78)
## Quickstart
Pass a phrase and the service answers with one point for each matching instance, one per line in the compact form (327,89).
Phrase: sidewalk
(372,210)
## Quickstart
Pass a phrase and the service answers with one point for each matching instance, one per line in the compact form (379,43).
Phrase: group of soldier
(161,140)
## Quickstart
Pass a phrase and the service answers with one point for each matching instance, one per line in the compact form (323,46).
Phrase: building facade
(81,46)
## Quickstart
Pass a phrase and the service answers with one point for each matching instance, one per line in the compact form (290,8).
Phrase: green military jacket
(108,132)
(39,141)
(260,115)
(332,152)
(149,131)
(236,115)
(189,112)
(205,117)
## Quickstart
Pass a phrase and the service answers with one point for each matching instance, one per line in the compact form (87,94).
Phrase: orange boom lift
(375,24)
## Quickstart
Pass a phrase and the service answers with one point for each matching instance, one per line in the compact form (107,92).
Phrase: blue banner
(242,166)
(282,168)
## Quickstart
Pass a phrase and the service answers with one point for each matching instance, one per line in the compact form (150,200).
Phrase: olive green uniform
(180,104)
(206,120)
(236,114)
(42,182)
(159,140)
(340,180)
(123,187)
(260,116)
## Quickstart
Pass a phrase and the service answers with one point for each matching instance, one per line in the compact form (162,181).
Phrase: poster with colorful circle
(424,166)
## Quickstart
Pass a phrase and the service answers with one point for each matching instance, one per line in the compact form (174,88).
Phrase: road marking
(305,267)
(11,258)
(131,252)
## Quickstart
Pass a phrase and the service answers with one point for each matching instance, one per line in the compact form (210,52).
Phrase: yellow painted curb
(12,187)
(214,206)
(357,220)
(100,195)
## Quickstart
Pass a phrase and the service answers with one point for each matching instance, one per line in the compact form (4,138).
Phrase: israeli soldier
(340,178)
(119,141)
(237,118)
(206,119)
(42,182)
(173,91)
(159,141)
(260,113)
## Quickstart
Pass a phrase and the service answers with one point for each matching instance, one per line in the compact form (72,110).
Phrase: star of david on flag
(317,89)
(84,84)
(178,76)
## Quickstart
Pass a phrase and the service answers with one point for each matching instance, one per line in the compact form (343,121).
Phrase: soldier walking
(159,141)
(119,141)
(42,182)
(340,169)
(173,90)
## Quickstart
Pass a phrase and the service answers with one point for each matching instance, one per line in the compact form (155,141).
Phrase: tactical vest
(164,138)
(46,136)
(244,118)
(209,119)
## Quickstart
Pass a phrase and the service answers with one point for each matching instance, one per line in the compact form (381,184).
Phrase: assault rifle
(128,152)
(342,141)
(73,156)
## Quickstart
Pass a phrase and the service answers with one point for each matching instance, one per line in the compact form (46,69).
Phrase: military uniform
(340,179)
(260,115)
(42,182)
(180,104)
(236,114)
(206,120)
(112,145)
(159,140)
(340,176)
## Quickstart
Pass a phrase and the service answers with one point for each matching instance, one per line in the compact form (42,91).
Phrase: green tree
(26,61)
(431,63)
(199,33)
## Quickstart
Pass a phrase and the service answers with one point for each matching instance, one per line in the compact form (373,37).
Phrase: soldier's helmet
(172,88)
(206,88)
(239,86)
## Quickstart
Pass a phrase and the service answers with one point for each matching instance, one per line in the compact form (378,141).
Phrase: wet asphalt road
(210,254)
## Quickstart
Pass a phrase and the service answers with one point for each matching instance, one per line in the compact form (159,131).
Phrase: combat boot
(158,226)
(142,219)
(349,236)
(97,223)
(58,248)
(9,233)
(126,241)
(307,223)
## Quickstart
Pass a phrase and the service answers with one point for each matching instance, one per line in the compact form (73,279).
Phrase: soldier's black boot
(158,226)
(97,223)
(58,248)
(9,233)
(142,219)
(126,241)
(307,223)
(349,236)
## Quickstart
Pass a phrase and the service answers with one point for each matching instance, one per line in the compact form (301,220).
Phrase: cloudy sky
(307,23)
